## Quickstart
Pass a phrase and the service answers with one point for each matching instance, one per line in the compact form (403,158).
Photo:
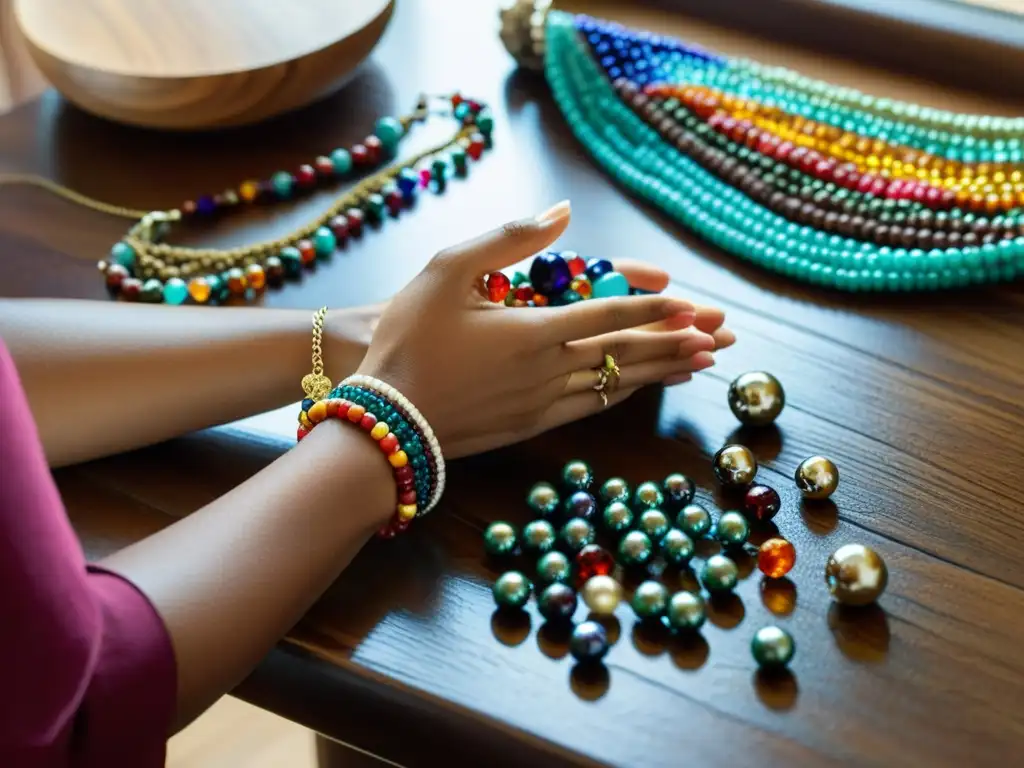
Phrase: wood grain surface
(917,398)
(195,64)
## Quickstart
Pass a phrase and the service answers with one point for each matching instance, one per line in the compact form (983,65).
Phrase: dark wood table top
(918,399)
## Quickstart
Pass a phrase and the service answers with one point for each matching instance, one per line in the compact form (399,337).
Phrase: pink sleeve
(87,668)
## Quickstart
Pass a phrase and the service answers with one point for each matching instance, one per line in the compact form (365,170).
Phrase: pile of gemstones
(647,531)
(557,279)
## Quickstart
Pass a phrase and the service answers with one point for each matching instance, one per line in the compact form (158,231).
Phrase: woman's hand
(486,376)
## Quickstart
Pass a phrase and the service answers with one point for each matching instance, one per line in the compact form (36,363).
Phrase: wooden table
(918,399)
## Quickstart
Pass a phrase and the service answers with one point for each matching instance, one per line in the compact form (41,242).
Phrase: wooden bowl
(195,64)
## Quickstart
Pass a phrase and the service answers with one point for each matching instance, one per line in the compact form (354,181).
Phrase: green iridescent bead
(553,566)
(518,278)
(654,523)
(152,291)
(648,496)
(511,590)
(439,170)
(374,207)
(569,297)
(614,489)
(719,574)
(576,534)
(772,647)
(485,122)
(175,291)
(390,131)
(685,611)
(283,184)
(342,161)
(679,490)
(538,537)
(543,500)
(500,539)
(635,549)
(123,254)
(732,530)
(617,517)
(324,242)
(676,547)
(577,476)
(459,161)
(650,599)
(694,520)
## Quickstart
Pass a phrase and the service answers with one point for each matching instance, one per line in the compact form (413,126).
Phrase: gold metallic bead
(602,595)
(856,575)
(817,478)
(756,398)
(735,466)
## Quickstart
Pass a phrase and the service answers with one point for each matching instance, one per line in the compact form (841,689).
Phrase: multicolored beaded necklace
(142,267)
(818,182)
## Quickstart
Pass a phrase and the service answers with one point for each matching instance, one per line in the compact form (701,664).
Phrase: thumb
(508,244)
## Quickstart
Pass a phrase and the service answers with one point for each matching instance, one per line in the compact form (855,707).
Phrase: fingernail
(698,342)
(681,320)
(556,212)
(703,360)
(678,378)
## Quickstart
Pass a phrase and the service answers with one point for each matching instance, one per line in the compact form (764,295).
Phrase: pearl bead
(679,491)
(694,520)
(856,575)
(817,477)
(756,398)
(617,517)
(511,590)
(732,530)
(735,466)
(676,547)
(577,476)
(615,489)
(543,499)
(552,567)
(576,534)
(602,595)
(635,549)
(719,574)
(654,523)
(648,496)
(557,602)
(772,647)
(538,537)
(499,539)
(588,642)
(685,611)
(650,599)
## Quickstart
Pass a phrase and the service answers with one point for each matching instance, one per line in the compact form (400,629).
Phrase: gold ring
(605,373)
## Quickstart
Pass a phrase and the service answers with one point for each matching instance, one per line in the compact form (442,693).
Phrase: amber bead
(776,558)
(582,286)
(236,281)
(249,191)
(256,277)
(498,286)
(593,560)
(761,503)
(307,252)
(199,290)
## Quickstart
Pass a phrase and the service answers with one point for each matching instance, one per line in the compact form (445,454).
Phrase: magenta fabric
(87,671)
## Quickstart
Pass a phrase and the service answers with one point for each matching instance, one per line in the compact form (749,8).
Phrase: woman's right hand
(486,376)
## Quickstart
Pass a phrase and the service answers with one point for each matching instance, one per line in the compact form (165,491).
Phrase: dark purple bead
(557,602)
(589,642)
(549,274)
(581,504)
(205,206)
(598,267)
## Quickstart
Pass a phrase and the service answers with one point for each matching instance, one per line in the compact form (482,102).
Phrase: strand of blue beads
(634,155)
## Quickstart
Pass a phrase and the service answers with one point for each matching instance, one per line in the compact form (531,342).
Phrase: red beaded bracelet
(345,410)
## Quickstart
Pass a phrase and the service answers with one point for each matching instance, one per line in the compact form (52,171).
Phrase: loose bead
(719,574)
(772,648)
(856,575)
(610,284)
(732,530)
(498,286)
(635,549)
(582,287)
(761,503)
(557,602)
(676,547)
(543,499)
(756,398)
(255,277)
(654,523)
(189,208)
(776,557)
(549,274)
(597,268)
(553,566)
(581,504)
(593,560)
(679,491)
(602,595)
(398,459)
(817,478)
(735,466)
(539,537)
(500,539)
(577,476)
(648,496)
(576,534)
(588,643)
(614,489)
(525,293)
(617,517)
(685,612)
(512,590)
(577,265)
(650,599)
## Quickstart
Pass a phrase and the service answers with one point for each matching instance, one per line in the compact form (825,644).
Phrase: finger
(575,407)
(639,375)
(679,378)
(723,338)
(631,346)
(643,275)
(594,318)
(506,245)
(707,319)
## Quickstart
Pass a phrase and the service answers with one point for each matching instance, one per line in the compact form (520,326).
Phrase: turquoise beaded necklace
(633,152)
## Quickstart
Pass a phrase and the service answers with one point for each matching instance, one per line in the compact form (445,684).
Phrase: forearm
(107,377)
(232,578)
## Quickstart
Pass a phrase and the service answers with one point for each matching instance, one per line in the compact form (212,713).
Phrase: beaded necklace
(143,267)
(818,182)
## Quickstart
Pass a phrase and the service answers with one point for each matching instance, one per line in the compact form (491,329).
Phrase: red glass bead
(305,177)
(524,292)
(784,150)
(360,155)
(306,251)
(374,149)
(498,286)
(776,557)
(401,526)
(394,201)
(717,120)
(343,407)
(116,274)
(355,219)
(404,474)
(339,227)
(368,421)
(577,265)
(456,100)
(130,288)
(301,432)
(476,146)
(324,167)
(332,408)
(425,177)
(188,208)
(593,560)
(389,443)
(933,195)
(407,497)
(761,503)
(387,532)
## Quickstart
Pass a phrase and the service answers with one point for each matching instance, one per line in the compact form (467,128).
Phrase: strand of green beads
(634,155)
